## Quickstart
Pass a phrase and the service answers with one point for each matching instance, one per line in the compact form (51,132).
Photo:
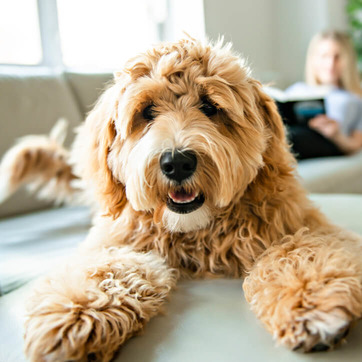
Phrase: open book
(298,108)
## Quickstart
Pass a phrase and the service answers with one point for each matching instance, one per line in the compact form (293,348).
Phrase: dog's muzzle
(179,166)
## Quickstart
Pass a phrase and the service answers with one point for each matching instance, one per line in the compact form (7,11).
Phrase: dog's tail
(41,163)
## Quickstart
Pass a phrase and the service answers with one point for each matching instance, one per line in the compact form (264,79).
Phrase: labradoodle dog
(188,164)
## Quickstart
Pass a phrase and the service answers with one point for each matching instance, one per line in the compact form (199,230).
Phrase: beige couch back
(31,104)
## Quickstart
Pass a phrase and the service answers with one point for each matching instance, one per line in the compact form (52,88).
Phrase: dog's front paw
(306,292)
(87,310)
(314,331)
(70,332)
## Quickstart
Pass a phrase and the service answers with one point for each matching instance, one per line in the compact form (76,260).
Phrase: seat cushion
(206,320)
(32,244)
(341,174)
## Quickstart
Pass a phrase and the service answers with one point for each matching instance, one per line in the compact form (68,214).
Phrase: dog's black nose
(178,165)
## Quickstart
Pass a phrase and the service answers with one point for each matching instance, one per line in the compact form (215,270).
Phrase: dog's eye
(207,108)
(149,112)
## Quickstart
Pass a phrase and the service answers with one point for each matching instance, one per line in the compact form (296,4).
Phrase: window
(104,34)
(19,32)
(91,34)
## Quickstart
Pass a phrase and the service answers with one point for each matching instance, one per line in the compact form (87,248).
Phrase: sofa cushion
(341,174)
(206,320)
(31,104)
(32,244)
(87,87)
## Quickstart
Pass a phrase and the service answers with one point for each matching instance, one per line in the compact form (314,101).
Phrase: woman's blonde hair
(350,80)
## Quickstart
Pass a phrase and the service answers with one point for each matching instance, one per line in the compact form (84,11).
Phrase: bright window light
(104,34)
(94,34)
(185,16)
(20,41)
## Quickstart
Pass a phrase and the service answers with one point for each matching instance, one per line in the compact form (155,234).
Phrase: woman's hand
(330,129)
(326,126)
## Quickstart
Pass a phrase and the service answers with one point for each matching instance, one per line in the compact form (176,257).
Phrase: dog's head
(181,134)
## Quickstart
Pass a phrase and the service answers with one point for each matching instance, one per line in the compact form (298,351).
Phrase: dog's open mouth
(184,202)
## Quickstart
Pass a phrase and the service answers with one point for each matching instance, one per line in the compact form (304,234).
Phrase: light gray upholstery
(332,174)
(31,104)
(31,244)
(87,87)
(205,320)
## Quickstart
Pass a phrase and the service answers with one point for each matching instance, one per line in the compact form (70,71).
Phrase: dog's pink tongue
(182,196)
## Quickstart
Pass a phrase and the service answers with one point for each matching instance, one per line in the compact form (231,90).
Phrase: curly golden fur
(302,274)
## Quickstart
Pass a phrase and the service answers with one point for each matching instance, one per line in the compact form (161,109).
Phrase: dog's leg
(92,306)
(307,290)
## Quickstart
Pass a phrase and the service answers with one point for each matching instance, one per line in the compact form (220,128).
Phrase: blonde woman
(331,62)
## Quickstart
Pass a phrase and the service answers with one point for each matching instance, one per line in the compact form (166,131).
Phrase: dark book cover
(298,108)
(300,111)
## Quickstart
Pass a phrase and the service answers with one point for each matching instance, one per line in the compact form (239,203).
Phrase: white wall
(297,21)
(273,34)
(249,24)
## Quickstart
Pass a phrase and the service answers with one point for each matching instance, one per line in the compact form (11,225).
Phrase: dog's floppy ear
(92,146)
(272,121)
(278,160)
(269,112)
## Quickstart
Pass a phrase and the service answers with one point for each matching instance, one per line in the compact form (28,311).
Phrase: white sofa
(206,320)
